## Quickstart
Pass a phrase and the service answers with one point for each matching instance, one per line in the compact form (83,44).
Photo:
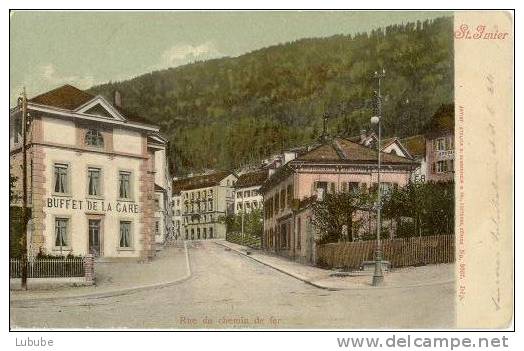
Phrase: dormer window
(94,138)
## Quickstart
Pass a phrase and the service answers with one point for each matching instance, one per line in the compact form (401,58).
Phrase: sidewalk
(397,278)
(170,266)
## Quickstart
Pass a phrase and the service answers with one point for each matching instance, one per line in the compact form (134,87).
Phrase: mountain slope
(228,112)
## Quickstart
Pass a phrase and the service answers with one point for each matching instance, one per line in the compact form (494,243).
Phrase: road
(228,290)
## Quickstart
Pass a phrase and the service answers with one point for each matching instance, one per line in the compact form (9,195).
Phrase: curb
(112,293)
(296,276)
(317,285)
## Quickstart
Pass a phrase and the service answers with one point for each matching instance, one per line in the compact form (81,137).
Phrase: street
(227,290)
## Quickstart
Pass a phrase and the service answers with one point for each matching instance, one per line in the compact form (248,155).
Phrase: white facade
(248,199)
(202,208)
(90,177)
(177,215)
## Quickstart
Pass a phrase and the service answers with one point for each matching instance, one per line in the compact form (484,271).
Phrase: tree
(253,223)
(337,211)
(429,206)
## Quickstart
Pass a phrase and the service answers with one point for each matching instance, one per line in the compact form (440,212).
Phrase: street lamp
(378,275)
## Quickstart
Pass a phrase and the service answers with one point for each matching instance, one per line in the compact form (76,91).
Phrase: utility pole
(23,241)
(378,275)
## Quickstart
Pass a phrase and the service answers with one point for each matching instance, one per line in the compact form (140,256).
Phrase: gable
(100,107)
(395,149)
(98,110)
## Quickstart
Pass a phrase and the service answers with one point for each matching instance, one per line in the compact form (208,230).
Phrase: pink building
(440,145)
(336,165)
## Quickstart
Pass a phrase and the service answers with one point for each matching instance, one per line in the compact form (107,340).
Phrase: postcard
(261,170)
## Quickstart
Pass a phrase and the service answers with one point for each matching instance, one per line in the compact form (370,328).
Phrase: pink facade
(440,156)
(288,193)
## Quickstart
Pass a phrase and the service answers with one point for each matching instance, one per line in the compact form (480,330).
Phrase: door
(94,237)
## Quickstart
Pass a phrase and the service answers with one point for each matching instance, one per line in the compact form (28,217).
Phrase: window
(442,166)
(248,206)
(93,180)
(451,166)
(282,199)
(353,186)
(255,204)
(210,205)
(125,234)
(94,138)
(332,188)
(210,232)
(239,206)
(198,233)
(192,234)
(344,187)
(61,183)
(239,195)
(440,144)
(283,236)
(246,193)
(254,192)
(61,239)
(187,234)
(289,194)
(205,233)
(157,227)
(124,185)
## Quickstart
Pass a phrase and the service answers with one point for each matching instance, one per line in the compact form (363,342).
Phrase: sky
(85,48)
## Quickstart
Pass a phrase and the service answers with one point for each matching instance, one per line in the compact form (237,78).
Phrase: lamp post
(378,275)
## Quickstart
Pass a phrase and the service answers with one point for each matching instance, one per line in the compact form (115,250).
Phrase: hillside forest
(233,111)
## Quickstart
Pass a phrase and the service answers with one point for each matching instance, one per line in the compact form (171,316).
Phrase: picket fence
(401,252)
(48,268)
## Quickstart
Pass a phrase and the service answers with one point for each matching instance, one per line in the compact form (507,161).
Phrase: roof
(337,150)
(159,188)
(69,97)
(345,151)
(415,144)
(252,179)
(197,182)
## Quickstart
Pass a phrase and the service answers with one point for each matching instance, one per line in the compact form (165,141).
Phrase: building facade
(91,175)
(416,145)
(177,213)
(205,199)
(247,191)
(337,165)
(440,145)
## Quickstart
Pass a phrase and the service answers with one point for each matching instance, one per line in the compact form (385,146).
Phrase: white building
(177,213)
(416,146)
(91,175)
(247,195)
(204,200)
(163,183)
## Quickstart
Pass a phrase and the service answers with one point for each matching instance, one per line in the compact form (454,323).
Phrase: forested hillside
(227,112)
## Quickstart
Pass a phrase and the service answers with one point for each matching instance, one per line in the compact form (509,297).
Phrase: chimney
(117,99)
(363,136)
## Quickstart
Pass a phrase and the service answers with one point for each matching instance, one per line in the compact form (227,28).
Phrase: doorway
(94,237)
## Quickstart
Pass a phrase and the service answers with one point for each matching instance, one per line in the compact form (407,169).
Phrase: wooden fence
(400,252)
(48,268)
